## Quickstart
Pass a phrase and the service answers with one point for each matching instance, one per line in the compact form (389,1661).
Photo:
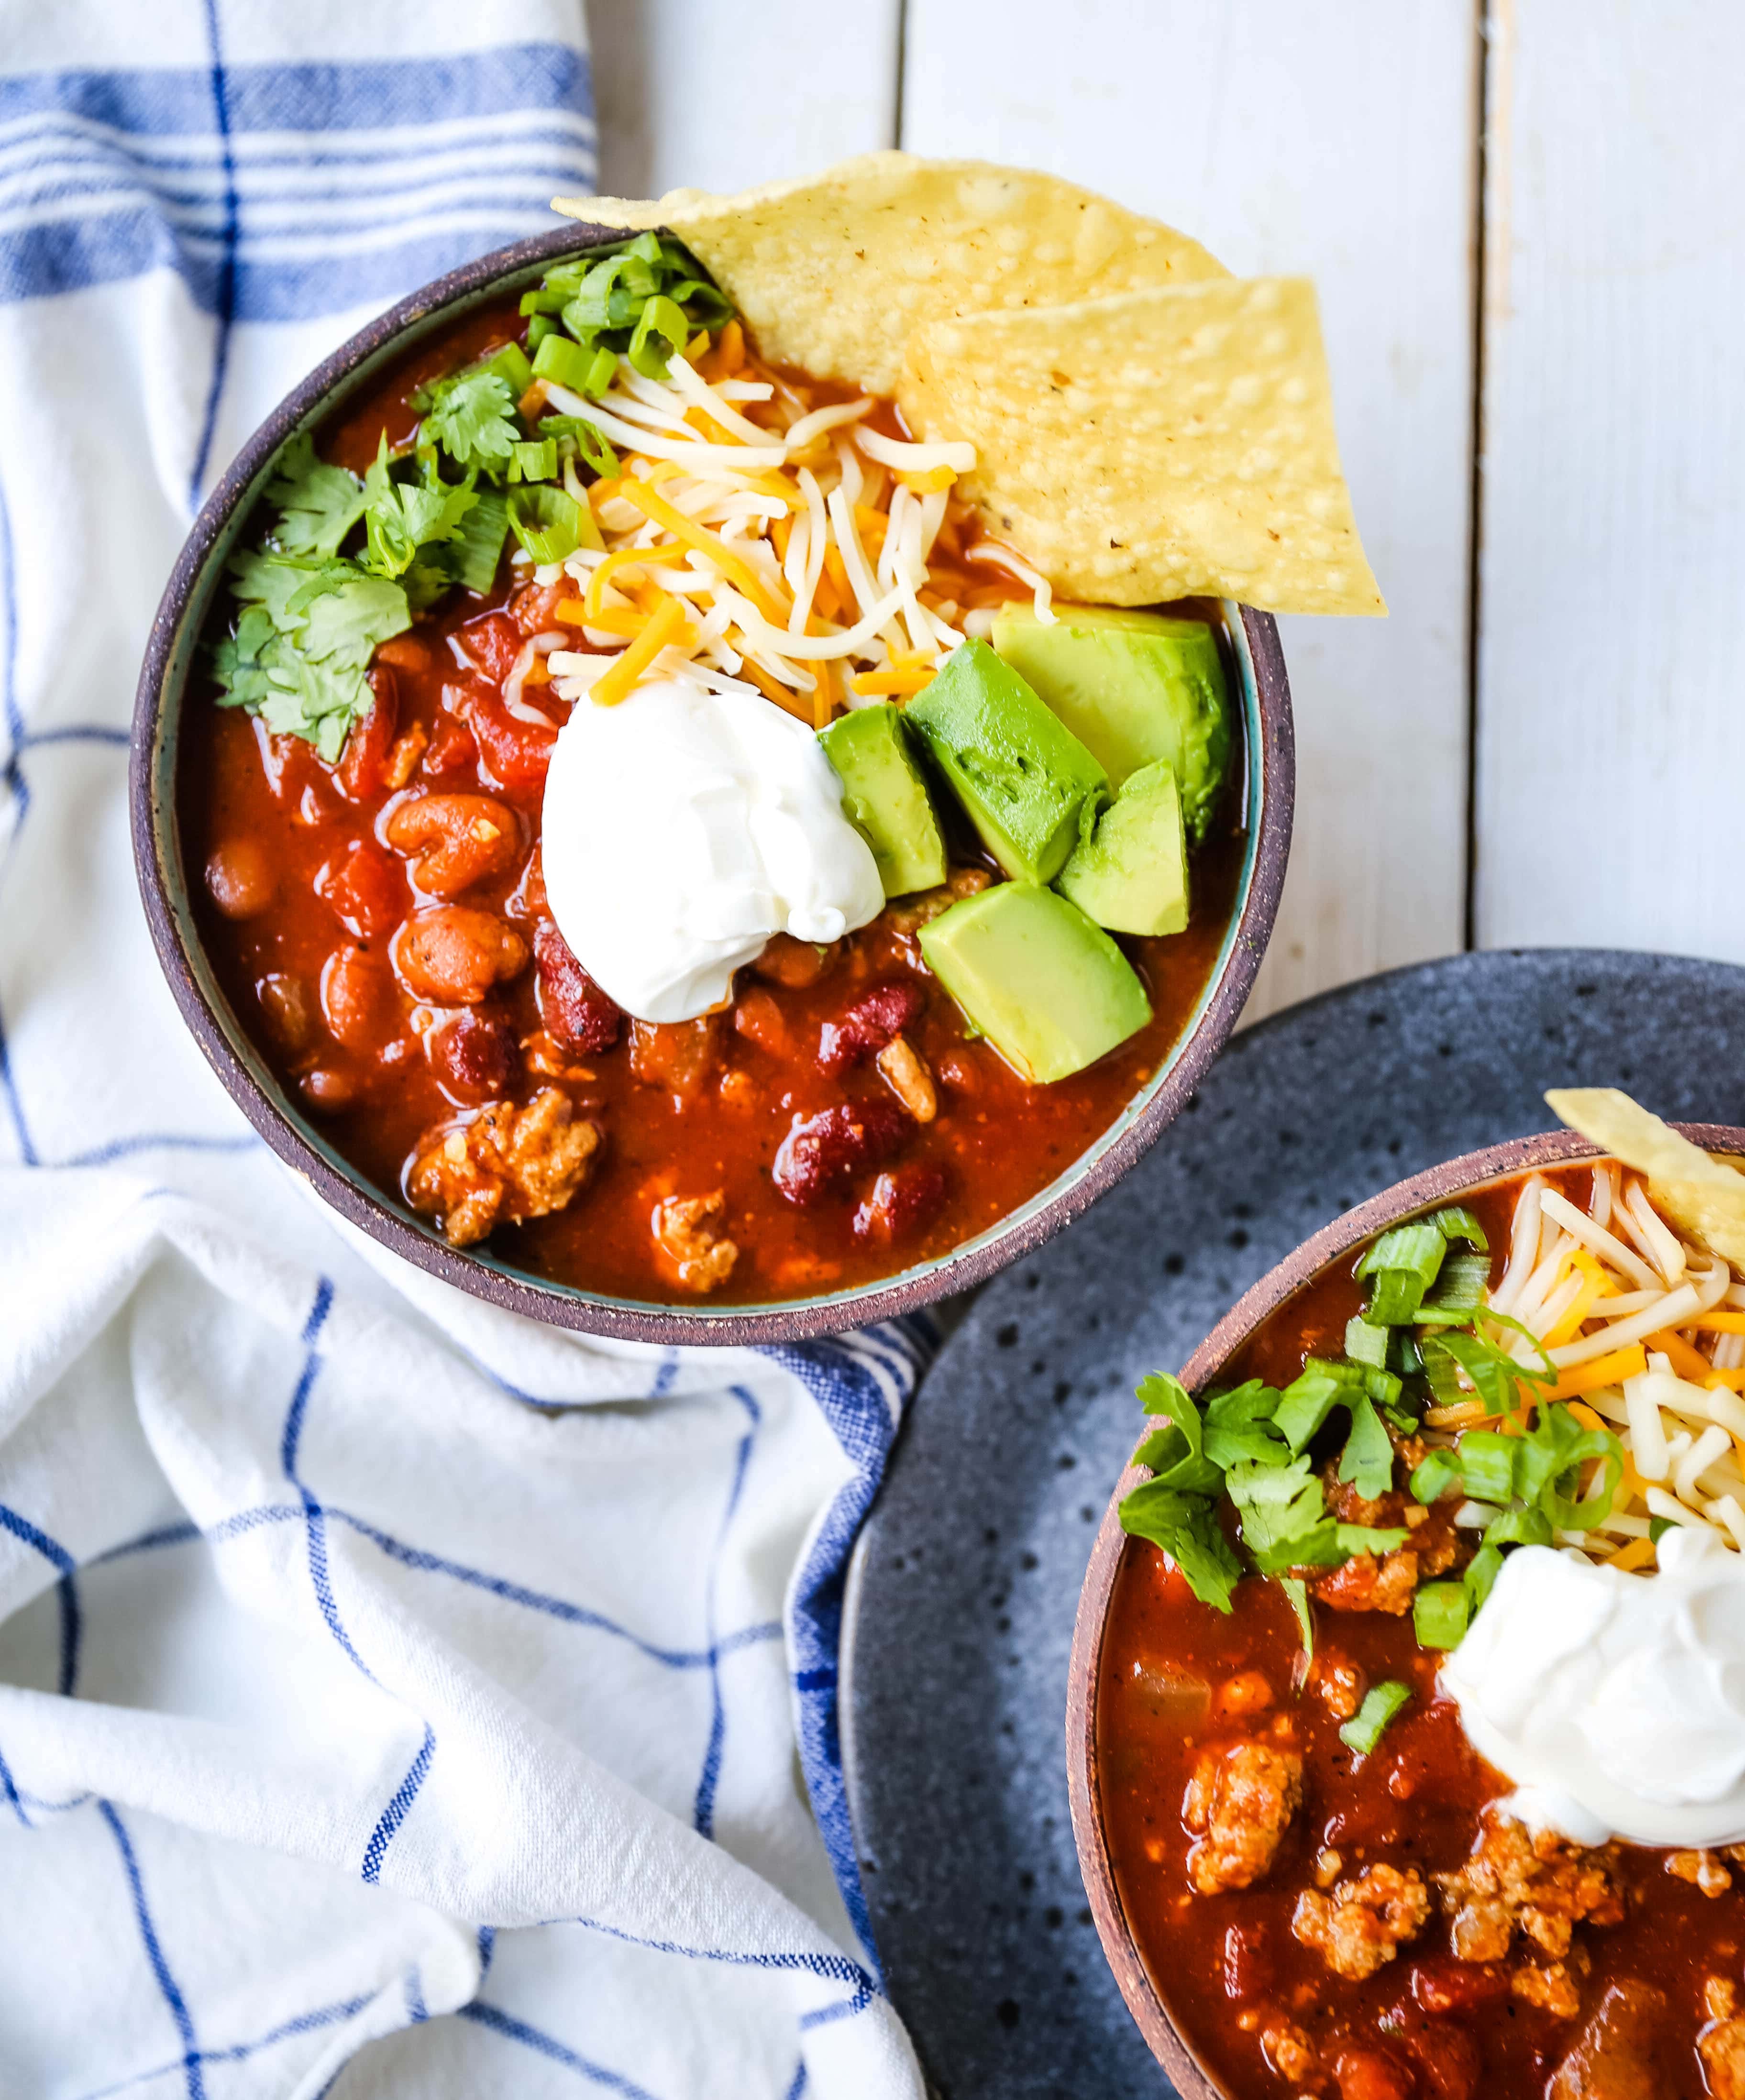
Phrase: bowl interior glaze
(1146,1999)
(168,672)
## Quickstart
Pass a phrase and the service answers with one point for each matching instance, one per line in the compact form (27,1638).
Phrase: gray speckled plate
(959,1616)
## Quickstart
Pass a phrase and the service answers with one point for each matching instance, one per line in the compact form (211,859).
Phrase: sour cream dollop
(1615,1702)
(681,829)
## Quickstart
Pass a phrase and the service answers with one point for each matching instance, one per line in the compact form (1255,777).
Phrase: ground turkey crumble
(1362,1922)
(1240,1800)
(1534,1882)
(509,1163)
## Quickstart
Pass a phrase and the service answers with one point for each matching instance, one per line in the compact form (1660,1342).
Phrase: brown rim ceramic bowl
(169,673)
(1146,1999)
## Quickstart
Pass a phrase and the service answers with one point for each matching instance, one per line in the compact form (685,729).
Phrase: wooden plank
(1611,746)
(689,93)
(1289,145)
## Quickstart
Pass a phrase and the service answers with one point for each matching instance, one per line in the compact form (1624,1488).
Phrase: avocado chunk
(1027,783)
(1131,874)
(1049,989)
(884,798)
(1133,687)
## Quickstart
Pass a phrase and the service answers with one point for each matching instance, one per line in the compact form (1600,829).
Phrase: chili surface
(311,872)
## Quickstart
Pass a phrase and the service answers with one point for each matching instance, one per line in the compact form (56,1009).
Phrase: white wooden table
(1527,225)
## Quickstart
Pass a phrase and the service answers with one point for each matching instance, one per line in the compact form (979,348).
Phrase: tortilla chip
(1160,444)
(834,272)
(1702,1195)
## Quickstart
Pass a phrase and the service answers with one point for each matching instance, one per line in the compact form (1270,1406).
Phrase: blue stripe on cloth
(395,1813)
(66,1589)
(167,1981)
(300,2024)
(103,201)
(548,2045)
(834,1968)
(703,1812)
(798,2085)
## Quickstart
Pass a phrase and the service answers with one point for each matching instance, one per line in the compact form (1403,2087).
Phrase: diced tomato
(492,643)
(515,753)
(452,749)
(367,889)
(361,763)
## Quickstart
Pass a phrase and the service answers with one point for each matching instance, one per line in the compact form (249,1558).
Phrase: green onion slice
(1439,1614)
(545,520)
(1366,1728)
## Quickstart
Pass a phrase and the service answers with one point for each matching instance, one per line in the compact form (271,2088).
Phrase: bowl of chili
(1304,1874)
(355,993)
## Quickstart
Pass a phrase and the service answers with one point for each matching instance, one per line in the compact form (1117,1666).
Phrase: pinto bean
(288,1009)
(823,1151)
(681,1056)
(452,955)
(357,997)
(793,964)
(1371,2074)
(454,841)
(364,759)
(240,877)
(901,1202)
(476,1056)
(758,1017)
(328,1086)
(576,1011)
(875,1019)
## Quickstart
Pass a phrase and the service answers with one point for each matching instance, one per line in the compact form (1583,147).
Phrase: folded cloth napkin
(395,1697)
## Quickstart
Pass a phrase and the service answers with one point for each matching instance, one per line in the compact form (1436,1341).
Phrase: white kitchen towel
(396,1698)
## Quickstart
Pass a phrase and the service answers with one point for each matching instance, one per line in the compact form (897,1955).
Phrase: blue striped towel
(394,1698)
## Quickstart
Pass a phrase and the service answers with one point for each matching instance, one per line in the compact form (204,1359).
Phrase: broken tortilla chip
(1702,1195)
(835,272)
(1160,444)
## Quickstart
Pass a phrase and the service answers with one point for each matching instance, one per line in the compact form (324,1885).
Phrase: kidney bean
(900,1203)
(1441,1984)
(514,753)
(453,748)
(367,889)
(357,997)
(240,876)
(452,955)
(1370,2074)
(1446,2053)
(455,840)
(329,1087)
(823,1151)
(492,643)
(874,1019)
(476,1056)
(1247,1962)
(574,1009)
(365,758)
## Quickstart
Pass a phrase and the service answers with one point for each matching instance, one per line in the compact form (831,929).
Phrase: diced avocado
(1133,686)
(1049,989)
(1131,874)
(885,799)
(1027,783)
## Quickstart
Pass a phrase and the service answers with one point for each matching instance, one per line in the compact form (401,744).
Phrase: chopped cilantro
(1186,1528)
(472,418)
(317,504)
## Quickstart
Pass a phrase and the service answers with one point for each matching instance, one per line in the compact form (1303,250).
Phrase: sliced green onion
(1460,1285)
(546,520)
(480,547)
(1439,1613)
(1435,1477)
(592,447)
(1487,1465)
(662,330)
(1381,1702)
(1418,1248)
(569,364)
(1455,1224)
(539,327)
(1297,1591)
(533,459)
(1658,1527)
(511,361)
(1568,1513)
(1366,1342)
(1481,1572)
(1519,1527)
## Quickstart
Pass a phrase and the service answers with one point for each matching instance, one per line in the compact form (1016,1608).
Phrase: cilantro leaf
(401,516)
(347,615)
(1186,1527)
(317,503)
(1368,1461)
(1238,1426)
(1275,1503)
(1297,1591)
(240,662)
(472,419)
(1367,1538)
(318,702)
(1161,1394)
